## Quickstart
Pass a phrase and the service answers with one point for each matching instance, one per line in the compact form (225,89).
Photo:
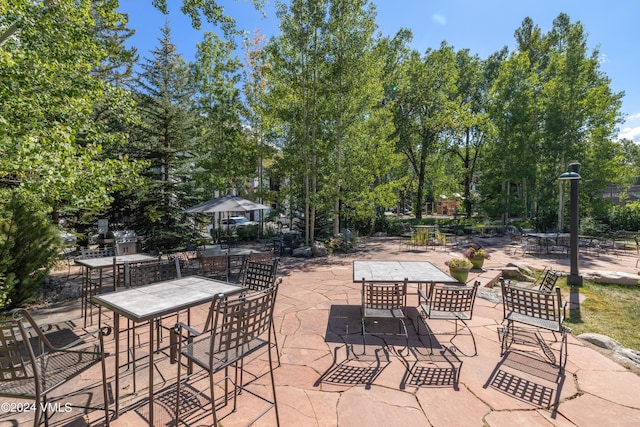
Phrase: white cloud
(439,18)
(632,133)
(633,117)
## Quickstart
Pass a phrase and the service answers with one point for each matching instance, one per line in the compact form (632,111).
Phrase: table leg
(151,327)
(116,334)
(85,295)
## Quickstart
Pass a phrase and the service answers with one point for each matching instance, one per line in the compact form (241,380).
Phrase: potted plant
(459,269)
(476,254)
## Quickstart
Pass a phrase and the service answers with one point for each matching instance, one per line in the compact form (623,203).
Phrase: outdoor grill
(125,236)
(126,241)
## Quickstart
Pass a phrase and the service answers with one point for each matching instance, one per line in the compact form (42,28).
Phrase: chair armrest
(102,332)
(421,295)
(183,326)
(38,329)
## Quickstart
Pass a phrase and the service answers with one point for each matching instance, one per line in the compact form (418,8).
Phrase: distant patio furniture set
(441,297)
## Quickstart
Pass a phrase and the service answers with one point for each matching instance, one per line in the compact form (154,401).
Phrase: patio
(325,380)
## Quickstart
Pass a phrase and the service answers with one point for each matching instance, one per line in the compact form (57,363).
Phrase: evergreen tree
(165,142)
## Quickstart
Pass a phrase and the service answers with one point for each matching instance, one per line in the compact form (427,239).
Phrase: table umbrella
(228,203)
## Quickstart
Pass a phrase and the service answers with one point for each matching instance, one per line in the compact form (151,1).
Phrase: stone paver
(320,383)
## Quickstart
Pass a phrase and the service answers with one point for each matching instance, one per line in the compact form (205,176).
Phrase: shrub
(338,243)
(28,248)
(625,217)
(590,226)
(248,232)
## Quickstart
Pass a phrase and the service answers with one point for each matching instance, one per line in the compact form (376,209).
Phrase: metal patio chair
(384,302)
(145,273)
(258,276)
(537,310)
(215,267)
(548,280)
(236,328)
(448,302)
(28,372)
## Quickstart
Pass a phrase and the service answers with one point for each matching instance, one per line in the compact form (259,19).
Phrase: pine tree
(165,97)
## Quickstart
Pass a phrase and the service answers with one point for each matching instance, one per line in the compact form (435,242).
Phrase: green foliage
(49,137)
(269,231)
(590,226)
(424,107)
(165,143)
(327,115)
(248,233)
(459,263)
(625,217)
(211,10)
(225,154)
(28,247)
(338,244)
(7,278)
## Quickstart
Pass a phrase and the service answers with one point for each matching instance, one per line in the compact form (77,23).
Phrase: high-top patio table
(398,271)
(100,264)
(148,303)
(230,251)
(544,238)
(235,256)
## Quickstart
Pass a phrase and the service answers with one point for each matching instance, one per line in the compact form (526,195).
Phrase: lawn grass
(610,310)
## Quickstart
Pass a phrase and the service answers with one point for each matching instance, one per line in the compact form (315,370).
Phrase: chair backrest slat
(452,299)
(240,320)
(384,296)
(259,275)
(533,303)
(144,273)
(97,253)
(549,280)
(15,351)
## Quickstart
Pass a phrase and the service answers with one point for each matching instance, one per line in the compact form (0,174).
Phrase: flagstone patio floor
(328,378)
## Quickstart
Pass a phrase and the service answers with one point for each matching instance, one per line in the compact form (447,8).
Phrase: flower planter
(460,274)
(477,262)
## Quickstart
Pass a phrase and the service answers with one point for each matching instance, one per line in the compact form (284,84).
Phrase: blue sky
(482,26)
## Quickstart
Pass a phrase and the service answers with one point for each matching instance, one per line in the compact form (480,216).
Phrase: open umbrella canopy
(226,203)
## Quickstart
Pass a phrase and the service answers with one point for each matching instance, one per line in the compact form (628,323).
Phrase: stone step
(487,278)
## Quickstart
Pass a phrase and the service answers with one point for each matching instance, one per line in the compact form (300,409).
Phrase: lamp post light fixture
(573,175)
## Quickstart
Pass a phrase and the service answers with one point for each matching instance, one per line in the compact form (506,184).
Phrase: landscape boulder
(318,249)
(625,356)
(601,341)
(612,277)
(304,252)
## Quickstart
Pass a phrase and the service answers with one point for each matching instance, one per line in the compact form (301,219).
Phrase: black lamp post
(573,175)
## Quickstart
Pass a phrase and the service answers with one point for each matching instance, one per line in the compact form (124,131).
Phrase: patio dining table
(230,251)
(557,239)
(100,264)
(151,302)
(235,256)
(398,271)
